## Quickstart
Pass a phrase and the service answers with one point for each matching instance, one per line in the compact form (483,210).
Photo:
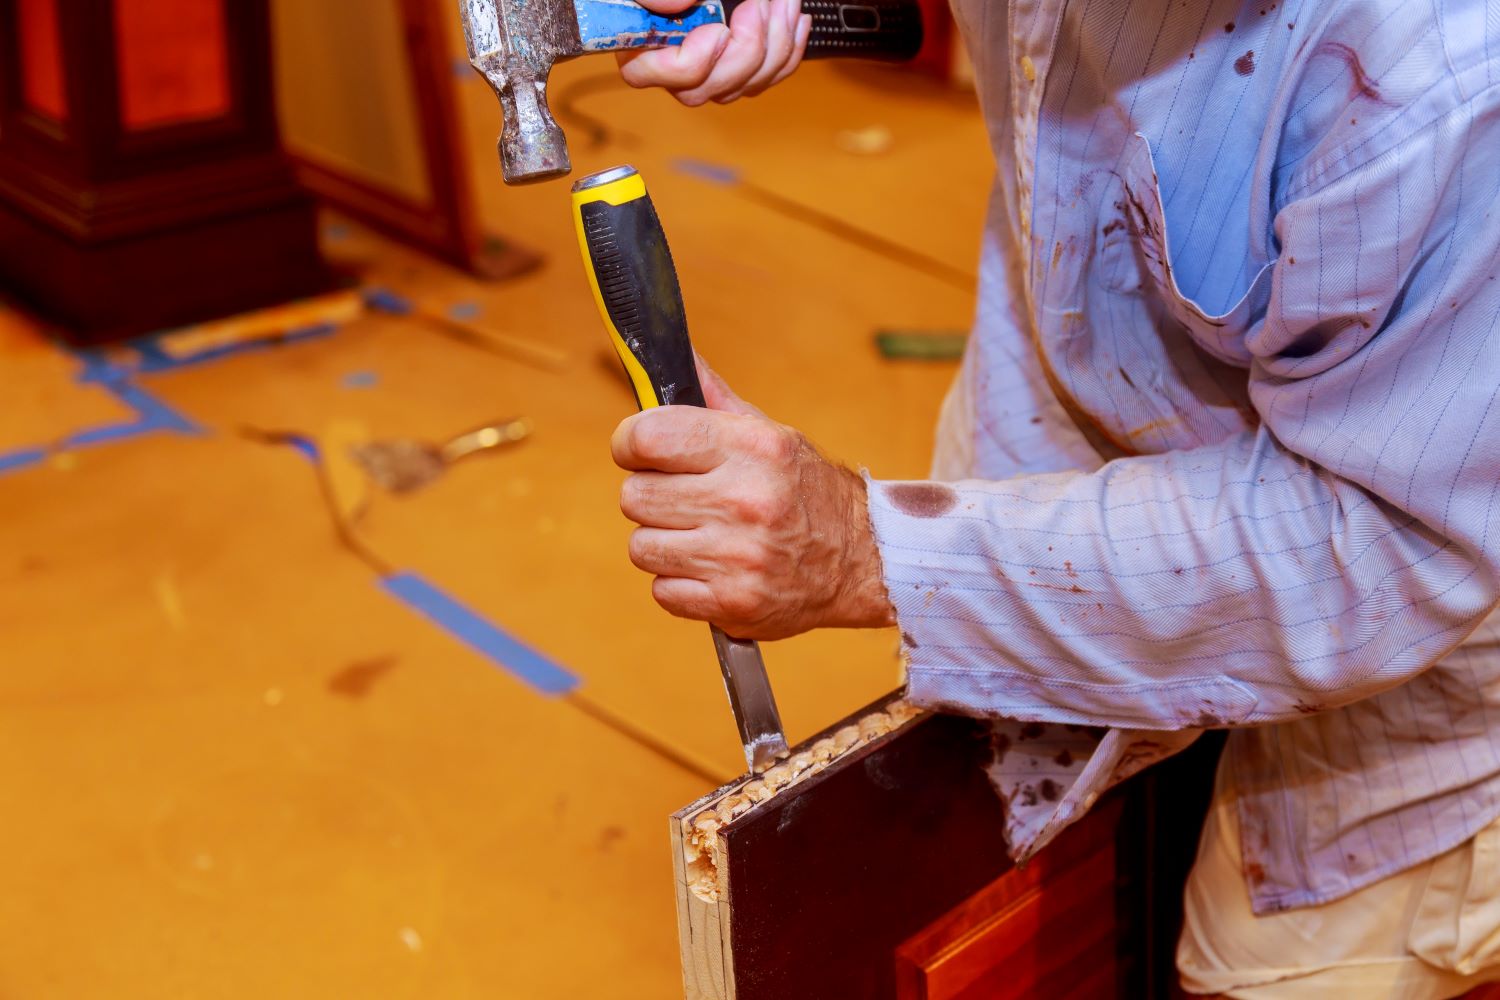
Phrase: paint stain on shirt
(1360,84)
(922,499)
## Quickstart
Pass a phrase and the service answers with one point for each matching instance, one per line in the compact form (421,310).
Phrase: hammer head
(513,44)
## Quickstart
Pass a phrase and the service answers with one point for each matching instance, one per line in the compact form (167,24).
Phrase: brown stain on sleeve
(1156,425)
(1064,758)
(1245,64)
(1032,730)
(356,679)
(1049,789)
(1074,589)
(922,499)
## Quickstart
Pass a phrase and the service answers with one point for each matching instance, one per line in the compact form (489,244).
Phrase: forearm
(1228,584)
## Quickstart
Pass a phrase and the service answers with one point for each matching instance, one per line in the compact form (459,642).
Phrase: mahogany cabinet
(142,183)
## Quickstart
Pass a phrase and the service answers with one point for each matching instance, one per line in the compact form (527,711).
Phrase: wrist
(863,600)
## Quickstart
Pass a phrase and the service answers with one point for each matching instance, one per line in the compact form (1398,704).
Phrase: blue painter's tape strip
(387,301)
(154,414)
(20,458)
(620,24)
(97,367)
(714,173)
(151,415)
(154,359)
(481,635)
(306,447)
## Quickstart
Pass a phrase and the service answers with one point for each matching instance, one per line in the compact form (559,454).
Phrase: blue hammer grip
(621,24)
(886,30)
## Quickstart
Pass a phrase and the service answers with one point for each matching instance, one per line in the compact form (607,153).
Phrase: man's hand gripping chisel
(635,286)
(513,44)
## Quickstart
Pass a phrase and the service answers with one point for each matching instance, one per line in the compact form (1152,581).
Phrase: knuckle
(640,549)
(650,438)
(636,497)
(741,605)
(774,443)
(755,506)
(751,558)
(633,549)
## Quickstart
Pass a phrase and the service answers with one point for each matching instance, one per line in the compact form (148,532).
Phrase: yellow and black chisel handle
(635,286)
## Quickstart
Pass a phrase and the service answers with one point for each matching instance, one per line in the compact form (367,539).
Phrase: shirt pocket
(1136,255)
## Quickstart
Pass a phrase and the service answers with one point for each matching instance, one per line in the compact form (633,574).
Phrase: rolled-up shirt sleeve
(1337,550)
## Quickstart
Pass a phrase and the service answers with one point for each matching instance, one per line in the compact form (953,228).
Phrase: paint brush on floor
(404,466)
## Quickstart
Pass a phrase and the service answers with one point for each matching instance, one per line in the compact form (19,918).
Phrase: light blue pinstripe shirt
(1253,251)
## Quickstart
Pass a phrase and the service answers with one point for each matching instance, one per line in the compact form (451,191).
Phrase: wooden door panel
(1040,930)
(881,874)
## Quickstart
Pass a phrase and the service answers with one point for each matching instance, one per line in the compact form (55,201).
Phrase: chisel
(635,287)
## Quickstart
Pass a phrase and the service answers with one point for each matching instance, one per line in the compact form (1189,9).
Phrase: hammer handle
(884,30)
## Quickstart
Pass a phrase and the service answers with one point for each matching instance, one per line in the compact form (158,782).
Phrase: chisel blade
(751,700)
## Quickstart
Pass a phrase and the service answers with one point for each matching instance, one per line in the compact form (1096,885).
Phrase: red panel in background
(41,58)
(936,56)
(174,62)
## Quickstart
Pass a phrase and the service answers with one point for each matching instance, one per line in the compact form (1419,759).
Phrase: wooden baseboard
(95,292)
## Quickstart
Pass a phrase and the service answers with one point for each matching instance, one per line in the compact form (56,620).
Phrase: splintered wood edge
(696,829)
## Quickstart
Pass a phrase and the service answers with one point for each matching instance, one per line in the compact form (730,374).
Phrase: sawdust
(701,844)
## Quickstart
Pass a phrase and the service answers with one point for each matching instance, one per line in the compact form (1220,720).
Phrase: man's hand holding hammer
(762,44)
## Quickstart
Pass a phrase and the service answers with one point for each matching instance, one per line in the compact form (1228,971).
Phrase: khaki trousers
(1430,932)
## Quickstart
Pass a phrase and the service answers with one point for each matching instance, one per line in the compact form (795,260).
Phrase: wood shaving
(701,844)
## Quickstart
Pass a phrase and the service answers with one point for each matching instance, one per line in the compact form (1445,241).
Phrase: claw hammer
(514,43)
